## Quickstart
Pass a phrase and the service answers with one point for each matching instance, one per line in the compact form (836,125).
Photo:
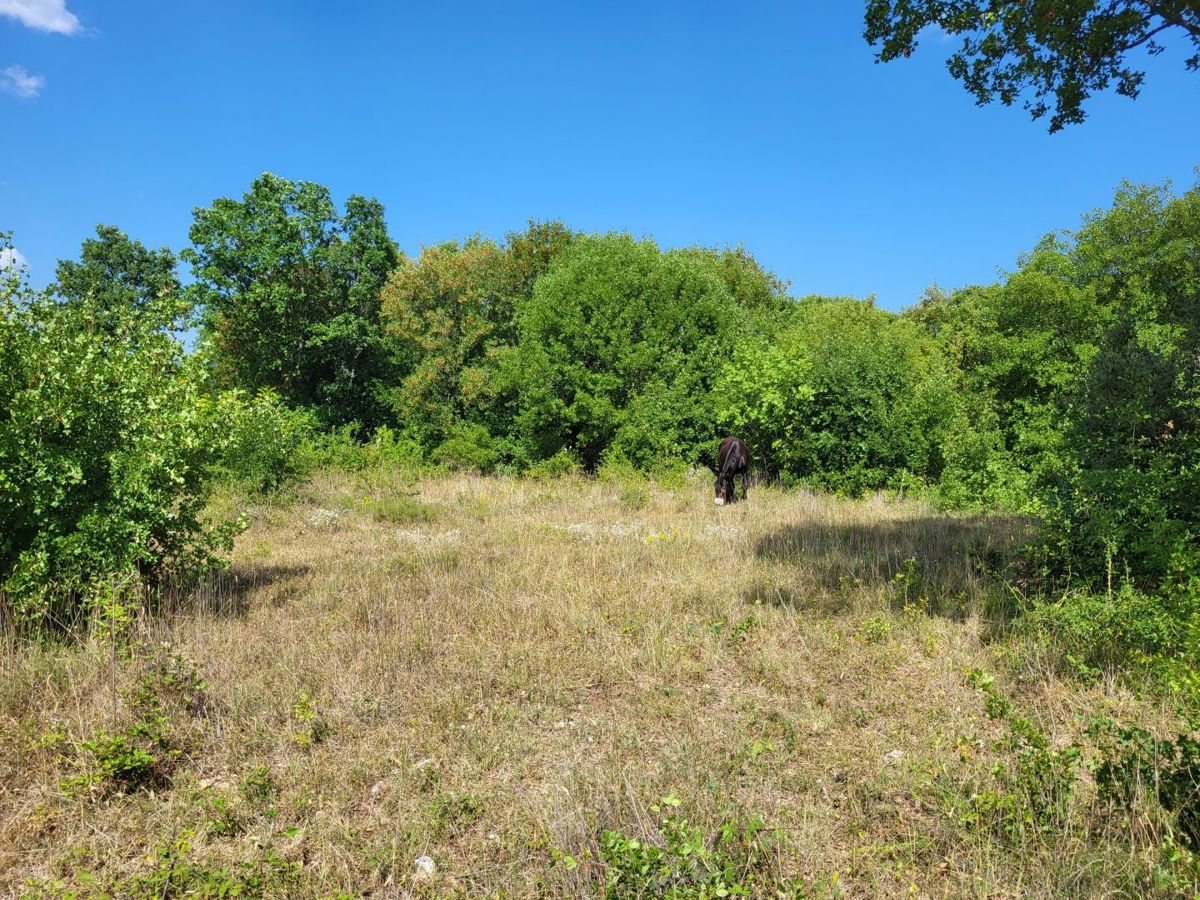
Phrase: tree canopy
(1057,51)
(116,276)
(289,291)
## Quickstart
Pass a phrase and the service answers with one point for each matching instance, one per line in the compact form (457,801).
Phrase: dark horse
(733,459)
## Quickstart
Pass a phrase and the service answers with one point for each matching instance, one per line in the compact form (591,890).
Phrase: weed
(176,874)
(257,787)
(223,819)
(312,728)
(144,752)
(875,630)
(685,861)
(1034,791)
(667,537)
(1135,765)
(451,813)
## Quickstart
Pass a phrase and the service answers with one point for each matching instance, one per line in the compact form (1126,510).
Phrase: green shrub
(144,753)
(469,448)
(342,449)
(1098,633)
(1134,765)
(177,874)
(265,439)
(631,484)
(1033,786)
(686,861)
(846,396)
(107,451)
(560,465)
(1028,792)
(336,448)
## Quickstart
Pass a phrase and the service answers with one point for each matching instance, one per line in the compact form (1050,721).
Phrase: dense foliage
(618,348)
(290,294)
(844,395)
(1084,362)
(105,447)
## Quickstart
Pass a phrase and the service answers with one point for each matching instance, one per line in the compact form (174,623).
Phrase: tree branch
(1192,28)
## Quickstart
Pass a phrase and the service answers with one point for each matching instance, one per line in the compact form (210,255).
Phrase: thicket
(106,438)
(844,395)
(1068,389)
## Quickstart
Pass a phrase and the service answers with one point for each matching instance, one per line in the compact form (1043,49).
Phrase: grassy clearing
(507,677)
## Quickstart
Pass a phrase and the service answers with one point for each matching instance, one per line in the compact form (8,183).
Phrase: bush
(107,447)
(469,448)
(1156,632)
(979,471)
(619,347)
(846,396)
(560,465)
(265,439)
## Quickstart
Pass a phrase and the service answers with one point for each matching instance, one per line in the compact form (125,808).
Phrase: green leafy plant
(311,727)
(875,630)
(685,861)
(177,874)
(1033,790)
(144,753)
(107,444)
(1134,765)
(844,395)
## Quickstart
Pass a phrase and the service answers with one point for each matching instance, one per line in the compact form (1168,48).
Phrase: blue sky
(767,124)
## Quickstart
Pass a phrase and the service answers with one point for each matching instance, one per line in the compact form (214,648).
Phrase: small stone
(377,789)
(426,868)
(893,755)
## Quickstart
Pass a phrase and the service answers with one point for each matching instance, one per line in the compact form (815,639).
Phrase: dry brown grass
(495,669)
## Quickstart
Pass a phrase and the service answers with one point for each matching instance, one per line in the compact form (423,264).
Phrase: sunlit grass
(491,672)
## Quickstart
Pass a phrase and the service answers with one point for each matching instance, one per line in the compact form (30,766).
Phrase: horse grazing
(733,459)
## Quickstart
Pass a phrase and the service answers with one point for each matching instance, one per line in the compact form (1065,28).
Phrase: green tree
(448,314)
(1136,438)
(451,316)
(1022,347)
(1079,373)
(619,346)
(116,276)
(530,254)
(290,295)
(1060,51)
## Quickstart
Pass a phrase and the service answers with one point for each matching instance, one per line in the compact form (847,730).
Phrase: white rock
(324,518)
(426,868)
(893,755)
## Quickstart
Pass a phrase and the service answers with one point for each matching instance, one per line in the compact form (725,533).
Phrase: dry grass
(494,670)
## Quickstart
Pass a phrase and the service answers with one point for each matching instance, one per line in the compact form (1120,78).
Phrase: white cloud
(17,81)
(44,15)
(11,258)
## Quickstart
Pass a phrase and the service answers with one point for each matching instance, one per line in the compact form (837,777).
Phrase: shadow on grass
(947,565)
(226,593)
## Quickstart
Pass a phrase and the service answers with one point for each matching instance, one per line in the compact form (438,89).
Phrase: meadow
(461,685)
